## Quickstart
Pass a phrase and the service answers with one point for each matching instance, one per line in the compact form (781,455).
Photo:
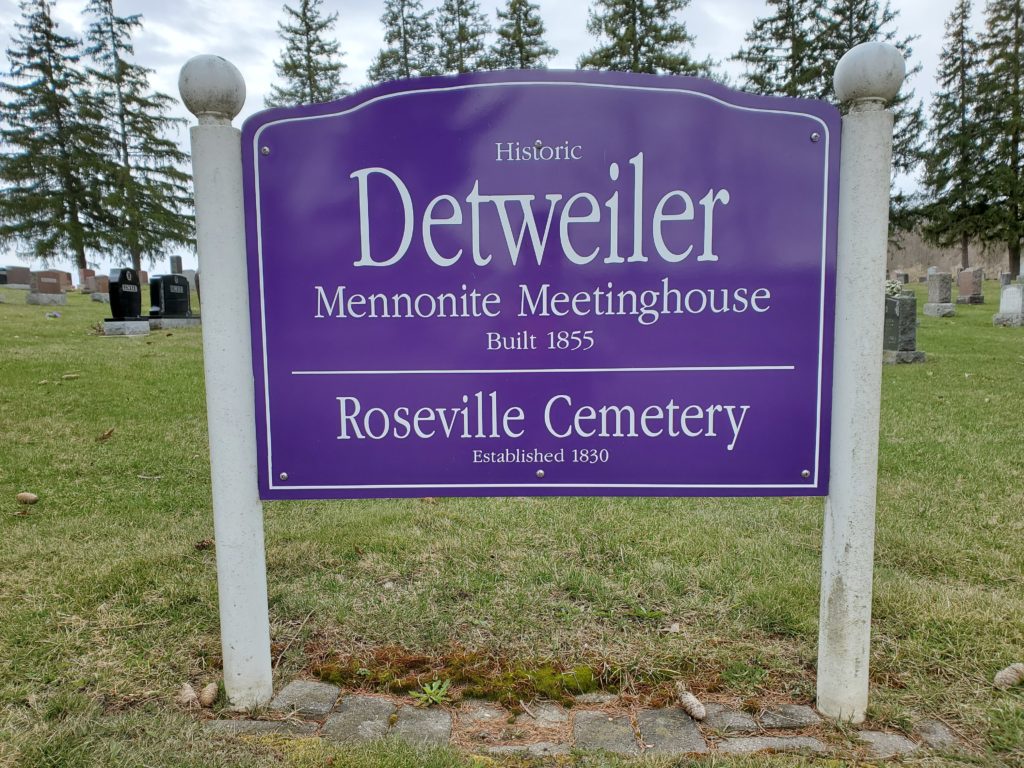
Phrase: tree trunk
(1013,252)
(136,260)
(965,241)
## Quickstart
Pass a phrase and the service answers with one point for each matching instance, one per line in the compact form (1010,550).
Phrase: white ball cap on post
(870,71)
(212,88)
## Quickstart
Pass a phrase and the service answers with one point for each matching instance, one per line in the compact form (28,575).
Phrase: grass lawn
(108,587)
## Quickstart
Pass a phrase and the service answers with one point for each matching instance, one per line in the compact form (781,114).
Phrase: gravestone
(170,303)
(45,288)
(193,282)
(922,278)
(3,275)
(65,281)
(84,283)
(968,286)
(175,265)
(902,277)
(125,305)
(125,294)
(1011,306)
(19,277)
(899,339)
(940,295)
(932,271)
(100,288)
(1005,278)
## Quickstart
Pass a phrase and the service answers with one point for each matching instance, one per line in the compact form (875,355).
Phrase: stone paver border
(316,709)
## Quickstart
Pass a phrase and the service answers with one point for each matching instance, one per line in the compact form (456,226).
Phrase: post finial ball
(870,71)
(212,88)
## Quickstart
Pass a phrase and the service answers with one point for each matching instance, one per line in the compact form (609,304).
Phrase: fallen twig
(290,642)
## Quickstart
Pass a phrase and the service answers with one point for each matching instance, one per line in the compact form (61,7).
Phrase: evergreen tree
(310,65)
(952,162)
(52,158)
(1000,108)
(781,53)
(408,34)
(462,30)
(643,36)
(147,193)
(521,43)
(846,23)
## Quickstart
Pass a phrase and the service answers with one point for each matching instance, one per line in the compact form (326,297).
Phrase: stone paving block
(882,746)
(749,745)
(481,713)
(547,715)
(669,731)
(540,749)
(596,698)
(789,716)
(937,735)
(306,697)
(423,727)
(359,718)
(251,727)
(596,730)
(728,720)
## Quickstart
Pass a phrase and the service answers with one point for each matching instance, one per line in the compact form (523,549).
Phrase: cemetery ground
(108,597)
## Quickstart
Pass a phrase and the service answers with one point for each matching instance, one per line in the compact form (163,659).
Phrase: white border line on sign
(469,86)
(557,370)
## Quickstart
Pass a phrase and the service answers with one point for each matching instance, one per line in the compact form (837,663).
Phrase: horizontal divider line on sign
(558,370)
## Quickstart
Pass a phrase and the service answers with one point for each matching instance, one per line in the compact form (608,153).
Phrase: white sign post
(867,77)
(214,91)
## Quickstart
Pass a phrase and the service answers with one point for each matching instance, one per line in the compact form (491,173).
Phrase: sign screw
(815,137)
(540,473)
(283,475)
(805,474)
(538,143)
(266,150)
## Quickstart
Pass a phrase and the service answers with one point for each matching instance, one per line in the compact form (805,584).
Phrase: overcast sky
(245,32)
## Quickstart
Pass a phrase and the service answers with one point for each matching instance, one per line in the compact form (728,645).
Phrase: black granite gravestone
(125,294)
(169,296)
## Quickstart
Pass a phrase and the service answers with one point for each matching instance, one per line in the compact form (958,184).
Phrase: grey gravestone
(83,279)
(1005,278)
(669,731)
(101,288)
(359,718)
(940,295)
(46,288)
(1011,306)
(19,277)
(175,265)
(932,271)
(968,286)
(902,277)
(313,699)
(596,730)
(899,340)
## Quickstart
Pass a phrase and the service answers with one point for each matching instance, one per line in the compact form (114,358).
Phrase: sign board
(543,283)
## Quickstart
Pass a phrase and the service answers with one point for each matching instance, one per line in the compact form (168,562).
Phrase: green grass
(107,605)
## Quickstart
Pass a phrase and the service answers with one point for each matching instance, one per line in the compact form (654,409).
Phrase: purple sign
(557,283)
